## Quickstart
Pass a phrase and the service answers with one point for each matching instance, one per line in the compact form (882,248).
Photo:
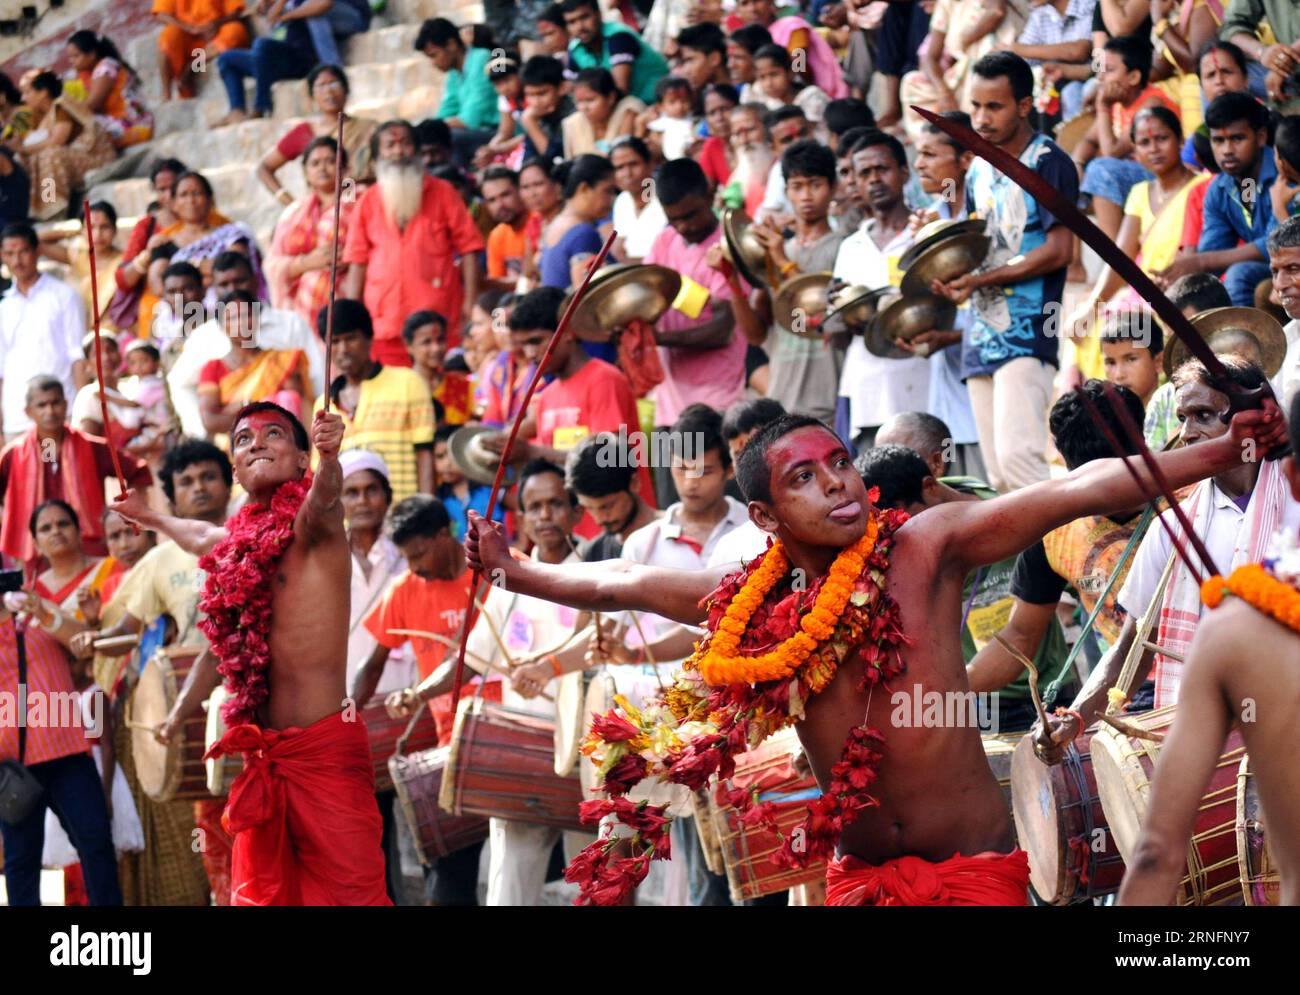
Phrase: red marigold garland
(692,730)
(237,596)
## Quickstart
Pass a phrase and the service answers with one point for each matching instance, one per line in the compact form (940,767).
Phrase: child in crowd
(674,128)
(1132,348)
(507,144)
(545,108)
(425,335)
(457,492)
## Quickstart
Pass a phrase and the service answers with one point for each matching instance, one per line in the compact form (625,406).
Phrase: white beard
(753,161)
(401,185)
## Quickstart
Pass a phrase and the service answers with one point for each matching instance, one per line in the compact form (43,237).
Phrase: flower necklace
(696,728)
(237,596)
(1272,587)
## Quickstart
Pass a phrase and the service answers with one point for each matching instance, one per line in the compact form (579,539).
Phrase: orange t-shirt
(506,246)
(197,11)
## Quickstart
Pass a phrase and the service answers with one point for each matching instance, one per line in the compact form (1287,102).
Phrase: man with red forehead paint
(303,813)
(917,816)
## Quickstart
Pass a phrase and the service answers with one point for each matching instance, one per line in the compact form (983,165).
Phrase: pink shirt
(55,724)
(715,377)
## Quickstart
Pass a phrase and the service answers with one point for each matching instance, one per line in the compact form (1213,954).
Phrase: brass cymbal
(852,308)
(905,317)
(799,305)
(944,260)
(742,249)
(1070,133)
(475,460)
(617,294)
(1219,325)
(937,231)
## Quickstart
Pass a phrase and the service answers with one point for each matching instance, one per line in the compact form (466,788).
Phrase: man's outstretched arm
(321,515)
(612,585)
(190,534)
(988,531)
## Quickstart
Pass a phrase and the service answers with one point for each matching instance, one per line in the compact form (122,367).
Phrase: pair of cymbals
(1224,328)
(944,254)
(799,305)
(742,248)
(475,460)
(618,294)
(852,308)
(905,316)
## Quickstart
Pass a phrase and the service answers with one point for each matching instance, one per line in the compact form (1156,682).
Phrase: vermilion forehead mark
(261,419)
(812,444)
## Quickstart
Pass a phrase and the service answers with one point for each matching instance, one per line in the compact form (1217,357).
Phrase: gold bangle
(135,263)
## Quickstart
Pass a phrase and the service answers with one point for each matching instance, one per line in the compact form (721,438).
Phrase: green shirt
(469,95)
(988,610)
(648,66)
(1242,17)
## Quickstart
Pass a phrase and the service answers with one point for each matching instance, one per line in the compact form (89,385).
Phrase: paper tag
(895,274)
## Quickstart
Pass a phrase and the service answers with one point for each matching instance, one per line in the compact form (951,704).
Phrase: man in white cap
(375,562)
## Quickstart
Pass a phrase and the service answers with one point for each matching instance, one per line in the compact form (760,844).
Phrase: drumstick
(501,645)
(1028,664)
(645,647)
(115,642)
(491,665)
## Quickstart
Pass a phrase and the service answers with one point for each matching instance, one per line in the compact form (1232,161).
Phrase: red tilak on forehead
(258,420)
(811,444)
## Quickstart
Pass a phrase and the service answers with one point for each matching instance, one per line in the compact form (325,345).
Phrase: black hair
(704,37)
(751,37)
(49,83)
(230,259)
(752,472)
(599,79)
(167,166)
(43,382)
(1010,65)
(417,320)
(430,133)
(500,173)
(849,140)
(101,47)
(444,432)
(538,308)
(898,472)
(774,53)
(490,300)
(600,465)
(1230,49)
(187,270)
(962,118)
(788,112)
(746,416)
(417,517)
(808,158)
(1228,108)
(877,137)
(455,176)
(390,124)
(1078,438)
(724,90)
(846,113)
(335,71)
(537,162)
(105,208)
(670,84)
(536,468)
(1203,150)
(503,63)
(542,70)
(184,455)
(1286,140)
(1241,372)
(300,438)
(632,144)
(349,316)
(437,31)
(678,179)
(1162,114)
(52,503)
(572,6)
(587,169)
(703,423)
(236,297)
(20,229)
(482,36)
(554,14)
(148,348)
(1199,291)
(326,142)
(9,91)
(1137,326)
(1134,52)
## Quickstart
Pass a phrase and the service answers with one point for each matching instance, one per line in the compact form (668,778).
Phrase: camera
(10,580)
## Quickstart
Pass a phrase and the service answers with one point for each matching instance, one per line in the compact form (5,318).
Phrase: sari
(61,169)
(263,378)
(106,264)
(91,578)
(305,224)
(217,241)
(124,116)
(580,137)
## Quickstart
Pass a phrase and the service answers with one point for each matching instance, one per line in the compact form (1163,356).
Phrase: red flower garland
(237,596)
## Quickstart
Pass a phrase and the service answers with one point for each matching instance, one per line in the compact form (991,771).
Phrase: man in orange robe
(191,29)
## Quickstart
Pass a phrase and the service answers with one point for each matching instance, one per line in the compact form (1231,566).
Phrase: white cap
(353,460)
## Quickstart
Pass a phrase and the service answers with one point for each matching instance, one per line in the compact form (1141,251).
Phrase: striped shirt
(53,707)
(394,415)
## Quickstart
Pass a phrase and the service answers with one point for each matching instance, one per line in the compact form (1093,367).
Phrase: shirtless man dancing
(303,813)
(937,830)
(1242,663)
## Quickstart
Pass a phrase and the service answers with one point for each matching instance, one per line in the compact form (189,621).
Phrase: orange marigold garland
(1272,587)
(762,659)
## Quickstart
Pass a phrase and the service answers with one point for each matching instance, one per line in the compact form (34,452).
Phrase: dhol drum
(570,724)
(708,832)
(773,771)
(1261,884)
(502,764)
(1061,826)
(1124,766)
(385,731)
(417,778)
(222,771)
(174,772)
(998,748)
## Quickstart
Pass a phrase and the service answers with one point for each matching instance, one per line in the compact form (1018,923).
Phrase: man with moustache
(406,237)
(507,243)
(1284,263)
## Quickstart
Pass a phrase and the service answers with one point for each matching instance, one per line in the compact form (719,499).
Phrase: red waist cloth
(984,879)
(303,813)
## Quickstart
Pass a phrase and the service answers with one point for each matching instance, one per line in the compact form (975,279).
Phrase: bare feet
(234,117)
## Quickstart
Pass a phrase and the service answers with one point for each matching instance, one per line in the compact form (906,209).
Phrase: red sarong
(303,813)
(984,879)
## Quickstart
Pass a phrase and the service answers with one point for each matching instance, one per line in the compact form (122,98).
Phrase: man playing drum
(1241,671)
(914,817)
(307,830)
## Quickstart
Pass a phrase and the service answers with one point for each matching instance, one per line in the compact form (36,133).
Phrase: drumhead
(157,766)
(1036,812)
(569,726)
(213,730)
(1261,883)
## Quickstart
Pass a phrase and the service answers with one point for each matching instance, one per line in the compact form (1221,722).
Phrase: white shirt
(740,545)
(1221,539)
(86,406)
(774,199)
(278,329)
(385,563)
(877,388)
(638,230)
(1287,381)
(40,334)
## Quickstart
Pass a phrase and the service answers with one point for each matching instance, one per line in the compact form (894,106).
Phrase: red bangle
(555,665)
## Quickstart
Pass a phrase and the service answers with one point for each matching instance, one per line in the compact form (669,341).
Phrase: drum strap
(1137,650)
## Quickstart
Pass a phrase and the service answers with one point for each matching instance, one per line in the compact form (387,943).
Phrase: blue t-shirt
(1009,320)
(582,239)
(458,510)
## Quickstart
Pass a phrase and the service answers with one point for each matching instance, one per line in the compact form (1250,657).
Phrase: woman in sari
(1152,231)
(603,114)
(65,145)
(109,88)
(328,87)
(74,254)
(248,373)
(56,534)
(298,265)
